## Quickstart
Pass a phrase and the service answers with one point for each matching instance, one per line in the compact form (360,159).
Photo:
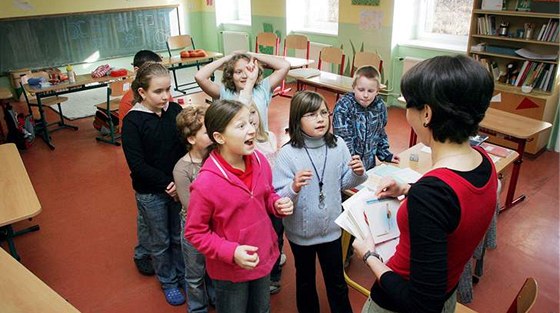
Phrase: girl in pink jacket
(228,212)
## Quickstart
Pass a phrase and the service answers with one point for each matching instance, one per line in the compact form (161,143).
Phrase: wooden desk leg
(10,235)
(510,202)
(412,139)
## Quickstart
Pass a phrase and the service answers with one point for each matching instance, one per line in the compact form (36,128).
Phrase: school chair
(293,42)
(345,244)
(115,91)
(182,42)
(42,124)
(526,297)
(363,58)
(267,40)
(333,56)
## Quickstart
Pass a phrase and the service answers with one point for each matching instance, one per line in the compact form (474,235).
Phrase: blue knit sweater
(309,224)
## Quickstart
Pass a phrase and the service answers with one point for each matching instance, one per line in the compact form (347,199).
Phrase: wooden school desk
(5,95)
(176,63)
(338,84)
(293,61)
(23,292)
(83,82)
(18,200)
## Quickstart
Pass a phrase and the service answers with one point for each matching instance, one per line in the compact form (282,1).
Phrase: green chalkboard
(70,39)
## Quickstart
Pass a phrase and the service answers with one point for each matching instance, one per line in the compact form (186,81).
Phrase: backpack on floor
(21,128)
(101,122)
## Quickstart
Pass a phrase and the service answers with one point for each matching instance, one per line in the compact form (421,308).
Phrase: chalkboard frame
(60,39)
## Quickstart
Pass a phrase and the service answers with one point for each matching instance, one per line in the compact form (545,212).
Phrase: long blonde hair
(262,134)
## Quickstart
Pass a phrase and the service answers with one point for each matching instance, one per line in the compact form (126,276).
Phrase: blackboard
(49,41)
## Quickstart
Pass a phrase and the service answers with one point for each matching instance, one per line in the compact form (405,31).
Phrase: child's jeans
(198,285)
(161,215)
(140,251)
(251,296)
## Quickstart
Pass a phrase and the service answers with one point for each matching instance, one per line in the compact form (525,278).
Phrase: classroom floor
(84,247)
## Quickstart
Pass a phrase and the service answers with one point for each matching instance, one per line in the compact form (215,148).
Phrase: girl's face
(158,93)
(200,141)
(238,139)
(239,75)
(315,124)
(254,117)
(365,90)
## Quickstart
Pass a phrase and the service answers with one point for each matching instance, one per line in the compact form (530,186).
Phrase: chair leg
(113,137)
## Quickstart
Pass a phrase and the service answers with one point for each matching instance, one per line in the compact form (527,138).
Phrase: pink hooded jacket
(223,214)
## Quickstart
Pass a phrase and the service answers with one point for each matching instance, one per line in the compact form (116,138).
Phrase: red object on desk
(118,73)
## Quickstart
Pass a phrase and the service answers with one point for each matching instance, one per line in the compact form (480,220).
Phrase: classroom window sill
(435,45)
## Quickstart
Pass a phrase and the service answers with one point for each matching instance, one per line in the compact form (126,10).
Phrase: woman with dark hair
(446,212)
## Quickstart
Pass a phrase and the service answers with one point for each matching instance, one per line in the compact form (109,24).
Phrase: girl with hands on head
(312,169)
(229,208)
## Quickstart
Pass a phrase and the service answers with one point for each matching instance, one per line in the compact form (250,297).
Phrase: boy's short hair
(367,71)
(144,56)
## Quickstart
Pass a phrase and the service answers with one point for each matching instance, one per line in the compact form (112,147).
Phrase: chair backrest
(120,87)
(179,42)
(332,55)
(297,42)
(525,298)
(366,58)
(267,40)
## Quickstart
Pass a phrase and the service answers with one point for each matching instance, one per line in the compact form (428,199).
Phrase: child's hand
(388,187)
(284,206)
(171,190)
(301,179)
(395,159)
(246,257)
(252,70)
(356,165)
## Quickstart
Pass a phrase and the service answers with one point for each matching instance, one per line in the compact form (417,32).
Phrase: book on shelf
(494,5)
(495,70)
(541,32)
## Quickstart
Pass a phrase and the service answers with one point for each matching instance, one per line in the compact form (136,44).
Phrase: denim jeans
(246,297)
(140,251)
(371,307)
(161,216)
(198,285)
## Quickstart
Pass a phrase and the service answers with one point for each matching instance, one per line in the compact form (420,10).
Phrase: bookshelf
(496,47)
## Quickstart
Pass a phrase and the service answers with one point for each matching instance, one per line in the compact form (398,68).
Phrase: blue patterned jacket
(363,129)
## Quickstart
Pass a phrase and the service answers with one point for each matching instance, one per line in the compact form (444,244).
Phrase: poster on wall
(370,19)
(366,2)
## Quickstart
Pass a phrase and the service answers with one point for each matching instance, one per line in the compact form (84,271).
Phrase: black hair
(144,56)
(458,91)
(305,102)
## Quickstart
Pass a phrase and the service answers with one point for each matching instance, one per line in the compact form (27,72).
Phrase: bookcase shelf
(495,48)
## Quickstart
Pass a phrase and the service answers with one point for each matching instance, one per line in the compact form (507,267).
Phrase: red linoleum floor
(84,248)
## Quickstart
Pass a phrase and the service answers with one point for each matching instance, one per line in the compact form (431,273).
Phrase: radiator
(314,49)
(232,41)
(409,62)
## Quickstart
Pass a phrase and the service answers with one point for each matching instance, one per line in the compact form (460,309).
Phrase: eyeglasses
(315,115)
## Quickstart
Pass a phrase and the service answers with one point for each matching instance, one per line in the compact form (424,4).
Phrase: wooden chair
(293,42)
(115,91)
(366,58)
(181,42)
(42,123)
(525,298)
(333,56)
(267,40)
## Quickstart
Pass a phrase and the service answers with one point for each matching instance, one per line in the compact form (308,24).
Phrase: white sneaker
(282,259)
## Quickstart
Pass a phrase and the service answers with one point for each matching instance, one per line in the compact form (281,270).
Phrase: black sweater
(152,146)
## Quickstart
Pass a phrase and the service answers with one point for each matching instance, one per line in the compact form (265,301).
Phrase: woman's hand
(357,165)
(395,159)
(363,246)
(301,179)
(246,257)
(284,206)
(389,188)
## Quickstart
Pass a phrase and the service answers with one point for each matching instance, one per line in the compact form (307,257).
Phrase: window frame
(424,36)
(222,6)
(299,22)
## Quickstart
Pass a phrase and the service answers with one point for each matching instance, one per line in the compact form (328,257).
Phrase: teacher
(446,212)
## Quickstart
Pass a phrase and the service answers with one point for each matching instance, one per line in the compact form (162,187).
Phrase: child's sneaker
(174,296)
(275,287)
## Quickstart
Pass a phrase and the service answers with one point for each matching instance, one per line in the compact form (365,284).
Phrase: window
(444,20)
(314,16)
(233,12)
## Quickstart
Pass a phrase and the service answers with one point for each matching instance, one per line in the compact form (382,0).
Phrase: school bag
(21,128)
(101,122)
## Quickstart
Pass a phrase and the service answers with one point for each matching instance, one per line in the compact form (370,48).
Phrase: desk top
(81,80)
(294,62)
(335,82)
(18,200)
(424,162)
(167,61)
(22,291)
(5,94)
(512,124)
